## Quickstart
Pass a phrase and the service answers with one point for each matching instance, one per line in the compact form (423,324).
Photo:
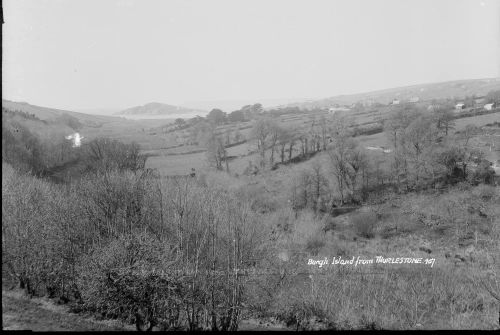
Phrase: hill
(51,114)
(445,90)
(157,108)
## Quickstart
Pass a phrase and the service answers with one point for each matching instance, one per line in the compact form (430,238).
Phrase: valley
(386,185)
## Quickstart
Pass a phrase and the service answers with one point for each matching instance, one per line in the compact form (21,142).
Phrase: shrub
(307,226)
(485,192)
(296,309)
(314,244)
(260,200)
(104,155)
(126,279)
(364,224)
(484,173)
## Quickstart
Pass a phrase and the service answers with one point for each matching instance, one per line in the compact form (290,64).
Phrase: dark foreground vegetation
(119,241)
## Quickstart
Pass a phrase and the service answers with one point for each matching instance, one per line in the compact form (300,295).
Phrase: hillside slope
(453,89)
(47,114)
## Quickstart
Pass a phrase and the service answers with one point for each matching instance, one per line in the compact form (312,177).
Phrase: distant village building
(489,107)
(414,99)
(333,110)
(395,102)
(459,106)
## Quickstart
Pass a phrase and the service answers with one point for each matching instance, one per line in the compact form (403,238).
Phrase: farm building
(489,107)
(395,102)
(459,106)
(333,110)
(414,99)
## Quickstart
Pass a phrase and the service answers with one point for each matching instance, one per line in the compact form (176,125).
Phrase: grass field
(180,160)
(41,314)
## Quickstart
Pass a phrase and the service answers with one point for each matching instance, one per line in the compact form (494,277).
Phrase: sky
(91,54)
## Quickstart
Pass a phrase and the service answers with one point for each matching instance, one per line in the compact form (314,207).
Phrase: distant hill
(50,114)
(157,108)
(452,89)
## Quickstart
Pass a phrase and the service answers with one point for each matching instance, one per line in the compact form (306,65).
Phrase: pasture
(179,159)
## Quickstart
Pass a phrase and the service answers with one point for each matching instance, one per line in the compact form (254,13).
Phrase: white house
(76,139)
(333,110)
(395,102)
(489,107)
(459,106)
(414,99)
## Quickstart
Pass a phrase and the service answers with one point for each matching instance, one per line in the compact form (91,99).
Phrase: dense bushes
(173,263)
(40,240)
(128,244)
(129,277)
(355,299)
(365,224)
(103,154)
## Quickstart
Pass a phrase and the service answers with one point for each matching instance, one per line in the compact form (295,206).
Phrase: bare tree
(443,115)
(418,138)
(274,136)
(216,153)
(340,166)
(260,133)
(319,186)
(105,154)
(290,147)
(285,137)
(469,132)
(324,131)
